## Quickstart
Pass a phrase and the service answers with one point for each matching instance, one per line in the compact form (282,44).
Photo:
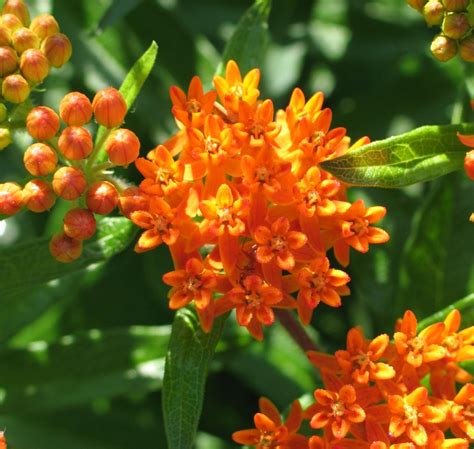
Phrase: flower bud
(5,39)
(122,146)
(75,109)
(69,183)
(19,9)
(417,4)
(443,48)
(109,107)
(42,123)
(38,196)
(433,12)
(466,49)
(102,197)
(64,248)
(456,5)
(23,39)
(15,89)
(8,61)
(58,49)
(40,159)
(44,25)
(34,65)
(3,113)
(455,25)
(132,200)
(11,198)
(75,143)
(469,164)
(5,138)
(10,22)
(80,224)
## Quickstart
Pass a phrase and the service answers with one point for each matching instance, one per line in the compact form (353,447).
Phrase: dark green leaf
(465,306)
(117,10)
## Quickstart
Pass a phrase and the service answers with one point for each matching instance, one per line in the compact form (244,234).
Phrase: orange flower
(459,345)
(462,413)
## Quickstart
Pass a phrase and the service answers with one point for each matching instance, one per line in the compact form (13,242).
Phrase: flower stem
(296,331)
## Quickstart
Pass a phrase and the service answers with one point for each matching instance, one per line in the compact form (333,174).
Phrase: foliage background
(82,357)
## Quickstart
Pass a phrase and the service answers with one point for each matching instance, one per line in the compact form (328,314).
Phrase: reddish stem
(296,331)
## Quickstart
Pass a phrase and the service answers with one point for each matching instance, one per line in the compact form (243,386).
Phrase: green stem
(98,147)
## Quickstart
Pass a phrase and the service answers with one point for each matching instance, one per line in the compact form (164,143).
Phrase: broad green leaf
(417,156)
(190,352)
(464,305)
(116,10)
(250,39)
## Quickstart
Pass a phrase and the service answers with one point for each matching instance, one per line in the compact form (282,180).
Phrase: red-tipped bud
(75,109)
(109,107)
(8,61)
(38,196)
(5,138)
(44,25)
(433,12)
(122,146)
(10,22)
(19,9)
(466,49)
(80,224)
(455,25)
(5,39)
(69,183)
(15,89)
(443,48)
(132,200)
(42,123)
(58,49)
(469,164)
(11,198)
(64,248)
(102,197)
(23,39)
(75,143)
(40,159)
(34,65)
(456,5)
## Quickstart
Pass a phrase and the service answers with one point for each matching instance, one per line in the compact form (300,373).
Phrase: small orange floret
(109,107)
(38,196)
(65,249)
(8,61)
(15,89)
(102,197)
(122,146)
(10,21)
(57,48)
(42,123)
(69,183)
(40,159)
(44,25)
(24,39)
(75,143)
(34,65)
(11,198)
(17,8)
(75,109)
(469,164)
(80,224)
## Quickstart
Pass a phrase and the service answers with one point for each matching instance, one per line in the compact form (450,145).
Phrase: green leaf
(464,305)
(116,10)
(189,354)
(81,368)
(417,156)
(250,39)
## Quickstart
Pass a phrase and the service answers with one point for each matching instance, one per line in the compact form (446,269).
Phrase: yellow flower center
(411,415)
(337,409)
(257,131)
(319,281)
(225,215)
(278,243)
(452,342)
(212,145)
(193,106)
(416,344)
(317,138)
(238,91)
(192,284)
(162,224)
(252,298)
(360,225)
(262,174)
(312,197)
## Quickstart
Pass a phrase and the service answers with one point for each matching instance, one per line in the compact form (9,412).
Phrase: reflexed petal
(330,297)
(418,397)
(264,423)
(265,315)
(452,322)
(433,414)
(396,427)
(355,413)
(179,299)
(417,435)
(383,371)
(148,240)
(142,219)
(377,235)
(324,397)
(248,437)
(355,340)
(378,346)
(432,353)
(319,420)
(409,324)
(375,213)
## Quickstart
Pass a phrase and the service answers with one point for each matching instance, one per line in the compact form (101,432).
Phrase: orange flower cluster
(248,214)
(468,160)
(380,394)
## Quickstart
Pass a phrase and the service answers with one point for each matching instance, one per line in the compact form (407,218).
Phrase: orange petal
(466,140)
(340,428)
(249,437)
(269,409)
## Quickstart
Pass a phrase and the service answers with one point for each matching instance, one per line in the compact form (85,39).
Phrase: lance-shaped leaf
(419,155)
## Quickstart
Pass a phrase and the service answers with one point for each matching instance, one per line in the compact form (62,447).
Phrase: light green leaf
(417,156)
(116,10)
(464,305)
(189,354)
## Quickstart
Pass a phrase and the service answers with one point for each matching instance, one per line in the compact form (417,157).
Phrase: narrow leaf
(116,10)
(465,306)
(417,156)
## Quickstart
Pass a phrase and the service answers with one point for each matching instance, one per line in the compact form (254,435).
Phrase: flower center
(238,91)
(452,342)
(212,145)
(192,284)
(312,197)
(257,131)
(224,214)
(252,298)
(318,281)
(360,226)
(193,106)
(262,174)
(337,409)
(278,243)
(416,344)
(317,138)
(162,224)
(411,414)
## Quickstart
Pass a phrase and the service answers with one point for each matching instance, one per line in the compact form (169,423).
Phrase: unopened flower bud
(417,4)
(69,183)
(38,196)
(34,65)
(443,48)
(19,9)
(469,164)
(456,5)
(75,109)
(42,123)
(433,12)
(23,39)
(64,248)
(44,25)
(5,138)
(5,38)
(10,22)
(40,159)
(102,197)
(122,146)
(132,200)
(58,49)
(15,89)
(466,49)
(8,61)
(3,113)
(75,143)
(80,224)
(455,25)
(11,198)
(109,107)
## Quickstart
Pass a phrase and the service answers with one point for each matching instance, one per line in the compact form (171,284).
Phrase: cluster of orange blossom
(380,394)
(248,214)
(468,160)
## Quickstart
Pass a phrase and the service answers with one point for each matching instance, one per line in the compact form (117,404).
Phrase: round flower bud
(466,49)
(80,224)
(109,107)
(122,146)
(15,89)
(102,197)
(19,9)
(69,183)
(433,12)
(469,164)
(11,198)
(23,39)
(443,48)
(5,39)
(10,22)
(42,123)
(132,200)
(456,5)
(455,25)
(44,25)
(40,159)
(417,4)
(75,109)
(64,248)
(3,113)
(5,138)
(8,61)
(34,65)
(38,196)
(75,143)
(58,49)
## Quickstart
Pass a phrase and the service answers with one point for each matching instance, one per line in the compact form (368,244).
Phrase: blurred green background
(81,360)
